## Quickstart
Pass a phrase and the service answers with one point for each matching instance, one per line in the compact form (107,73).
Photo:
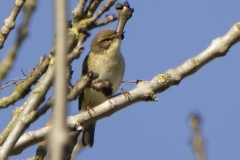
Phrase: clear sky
(161,35)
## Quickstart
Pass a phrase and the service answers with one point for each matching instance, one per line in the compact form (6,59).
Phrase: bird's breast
(109,67)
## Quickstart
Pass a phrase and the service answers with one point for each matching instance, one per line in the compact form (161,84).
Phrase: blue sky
(161,35)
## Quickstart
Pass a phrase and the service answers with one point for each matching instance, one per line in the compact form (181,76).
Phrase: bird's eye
(107,39)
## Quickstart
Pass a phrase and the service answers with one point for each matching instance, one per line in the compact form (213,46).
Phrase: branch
(23,88)
(11,82)
(87,23)
(124,14)
(73,138)
(9,23)
(32,137)
(33,101)
(41,151)
(92,7)
(145,91)
(30,117)
(38,94)
(78,88)
(106,20)
(16,113)
(7,62)
(105,8)
(79,10)
(197,142)
(34,115)
(57,139)
(79,13)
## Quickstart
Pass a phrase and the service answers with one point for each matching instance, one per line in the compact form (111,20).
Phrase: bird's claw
(126,94)
(89,109)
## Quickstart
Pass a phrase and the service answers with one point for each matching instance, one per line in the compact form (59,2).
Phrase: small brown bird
(106,60)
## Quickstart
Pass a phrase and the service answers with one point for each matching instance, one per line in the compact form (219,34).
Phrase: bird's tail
(88,135)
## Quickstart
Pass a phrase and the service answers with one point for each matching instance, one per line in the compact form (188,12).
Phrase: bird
(106,60)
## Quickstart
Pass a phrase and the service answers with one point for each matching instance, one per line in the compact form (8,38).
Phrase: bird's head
(106,40)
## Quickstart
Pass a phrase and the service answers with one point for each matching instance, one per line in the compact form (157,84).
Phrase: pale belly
(113,70)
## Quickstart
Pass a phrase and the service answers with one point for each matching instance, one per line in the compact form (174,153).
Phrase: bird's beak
(120,35)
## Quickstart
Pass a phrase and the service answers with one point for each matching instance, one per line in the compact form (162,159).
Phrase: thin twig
(23,73)
(22,88)
(22,32)
(79,10)
(132,81)
(11,82)
(92,7)
(197,141)
(106,20)
(9,23)
(104,8)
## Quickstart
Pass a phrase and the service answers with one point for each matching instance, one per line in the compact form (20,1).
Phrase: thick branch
(218,48)
(145,91)
(57,138)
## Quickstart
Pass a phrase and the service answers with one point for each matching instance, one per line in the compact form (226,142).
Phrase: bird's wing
(80,97)
(85,70)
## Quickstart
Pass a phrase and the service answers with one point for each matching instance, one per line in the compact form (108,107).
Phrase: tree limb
(79,10)
(22,88)
(9,23)
(197,141)
(57,138)
(7,62)
(145,91)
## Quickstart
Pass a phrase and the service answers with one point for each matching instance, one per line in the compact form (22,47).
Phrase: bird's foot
(126,94)
(89,109)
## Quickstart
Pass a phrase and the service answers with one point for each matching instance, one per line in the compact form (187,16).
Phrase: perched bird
(106,60)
